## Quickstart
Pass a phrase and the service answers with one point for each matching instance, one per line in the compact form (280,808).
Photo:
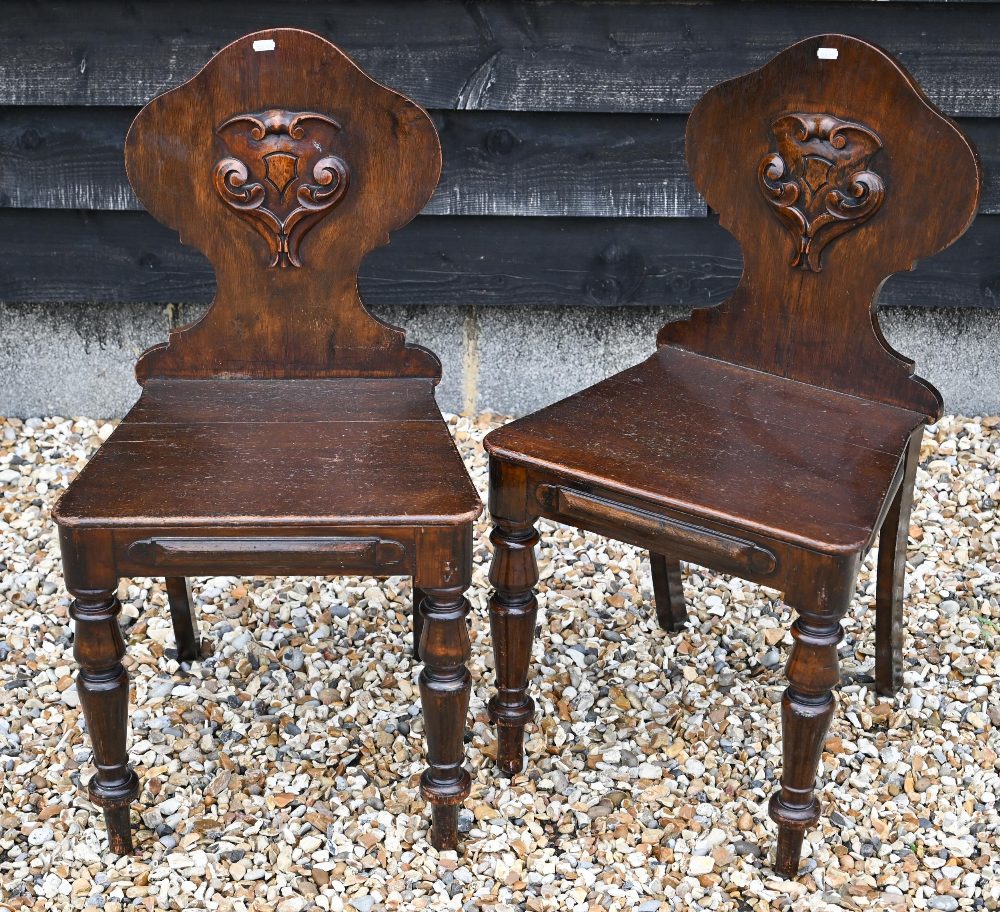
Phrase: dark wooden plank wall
(562,126)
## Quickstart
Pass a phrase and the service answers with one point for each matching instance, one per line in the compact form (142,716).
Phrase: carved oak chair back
(833,173)
(288,430)
(285,165)
(775,435)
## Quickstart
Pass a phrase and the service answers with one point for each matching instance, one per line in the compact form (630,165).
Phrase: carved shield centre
(281,169)
(819,181)
(280,175)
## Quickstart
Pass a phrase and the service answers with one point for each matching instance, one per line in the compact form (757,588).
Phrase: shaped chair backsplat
(285,167)
(774,435)
(832,174)
(288,430)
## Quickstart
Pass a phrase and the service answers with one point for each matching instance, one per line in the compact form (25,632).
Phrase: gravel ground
(282,772)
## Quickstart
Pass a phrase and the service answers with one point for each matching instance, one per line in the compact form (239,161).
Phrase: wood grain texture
(103,685)
(707,546)
(651,57)
(704,451)
(889,592)
(513,610)
(490,262)
(272,452)
(495,163)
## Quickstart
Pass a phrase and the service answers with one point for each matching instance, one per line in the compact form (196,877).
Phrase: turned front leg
(807,706)
(513,608)
(445,685)
(102,683)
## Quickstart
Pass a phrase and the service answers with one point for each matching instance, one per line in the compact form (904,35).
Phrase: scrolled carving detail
(819,182)
(293,181)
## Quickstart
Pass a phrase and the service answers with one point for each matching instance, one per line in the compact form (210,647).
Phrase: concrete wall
(76,360)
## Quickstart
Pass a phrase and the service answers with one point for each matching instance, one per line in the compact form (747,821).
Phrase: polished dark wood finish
(513,609)
(445,687)
(183,618)
(418,620)
(288,430)
(890,575)
(668,592)
(774,435)
(102,682)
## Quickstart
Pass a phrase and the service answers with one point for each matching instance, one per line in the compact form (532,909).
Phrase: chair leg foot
(183,618)
(119,824)
(445,686)
(444,827)
(668,592)
(890,576)
(513,609)
(510,748)
(789,851)
(103,686)
(806,711)
(418,620)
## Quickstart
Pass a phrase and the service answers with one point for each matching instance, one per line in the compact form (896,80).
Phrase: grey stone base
(63,359)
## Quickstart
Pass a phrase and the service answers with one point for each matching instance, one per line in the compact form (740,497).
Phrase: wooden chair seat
(241,452)
(727,444)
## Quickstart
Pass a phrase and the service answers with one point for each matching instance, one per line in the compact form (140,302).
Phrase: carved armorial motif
(281,175)
(818,180)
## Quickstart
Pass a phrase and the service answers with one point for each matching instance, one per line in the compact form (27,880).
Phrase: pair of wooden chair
(289,431)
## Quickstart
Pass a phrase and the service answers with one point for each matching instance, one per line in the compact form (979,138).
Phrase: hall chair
(288,431)
(775,435)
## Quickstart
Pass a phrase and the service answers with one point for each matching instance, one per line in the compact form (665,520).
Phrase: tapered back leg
(183,618)
(890,577)
(668,592)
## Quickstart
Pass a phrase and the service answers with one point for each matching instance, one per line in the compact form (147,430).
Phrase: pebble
(40,835)
(701,864)
(694,767)
(740,847)
(310,844)
(283,771)
(944,903)
(294,659)
(771,658)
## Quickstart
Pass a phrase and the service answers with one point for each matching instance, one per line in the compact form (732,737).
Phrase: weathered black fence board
(126,256)
(495,163)
(517,55)
(498,163)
